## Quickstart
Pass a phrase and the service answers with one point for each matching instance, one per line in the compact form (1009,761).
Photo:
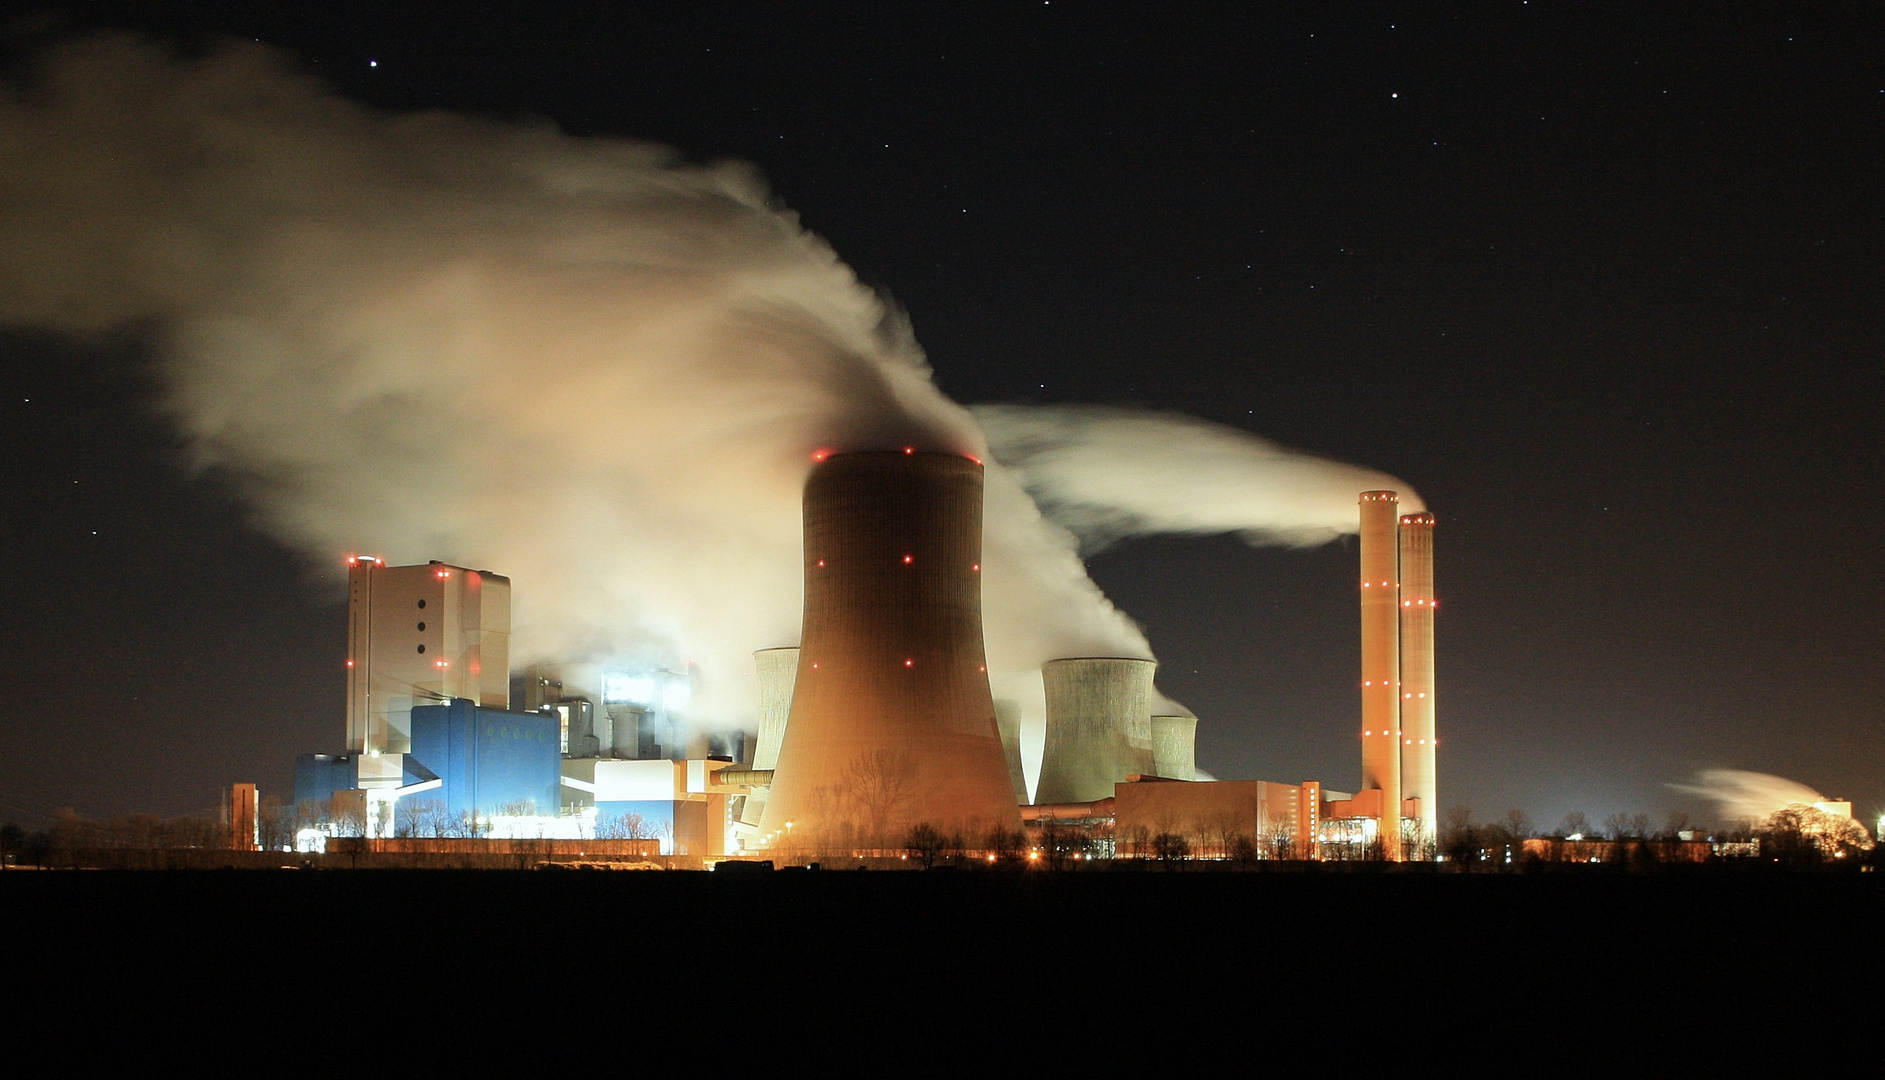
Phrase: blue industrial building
(484,762)
(489,760)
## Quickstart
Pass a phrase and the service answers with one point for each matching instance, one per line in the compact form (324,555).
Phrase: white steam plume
(1740,795)
(584,363)
(1108,473)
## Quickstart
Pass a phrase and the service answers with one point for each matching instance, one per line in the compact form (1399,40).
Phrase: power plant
(877,725)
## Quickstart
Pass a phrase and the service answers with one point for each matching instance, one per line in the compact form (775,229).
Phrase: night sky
(1602,282)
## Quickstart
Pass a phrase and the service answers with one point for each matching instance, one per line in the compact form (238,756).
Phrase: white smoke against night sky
(585,363)
(1740,795)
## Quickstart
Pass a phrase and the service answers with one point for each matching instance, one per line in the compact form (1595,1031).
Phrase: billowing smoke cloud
(1740,795)
(584,363)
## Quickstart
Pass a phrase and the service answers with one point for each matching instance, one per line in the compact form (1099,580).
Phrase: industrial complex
(879,725)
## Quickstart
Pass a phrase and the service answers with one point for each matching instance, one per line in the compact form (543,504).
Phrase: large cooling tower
(1093,705)
(1417,729)
(892,723)
(1174,747)
(1381,660)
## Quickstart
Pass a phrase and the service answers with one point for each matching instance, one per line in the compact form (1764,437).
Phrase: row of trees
(1794,834)
(71,833)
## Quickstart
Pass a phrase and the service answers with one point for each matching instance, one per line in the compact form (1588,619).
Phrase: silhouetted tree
(1279,838)
(1801,835)
(880,782)
(1005,845)
(925,844)
(1459,837)
(1171,846)
(274,824)
(1517,826)
(1245,850)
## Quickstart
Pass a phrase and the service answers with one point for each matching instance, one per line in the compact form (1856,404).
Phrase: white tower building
(421,635)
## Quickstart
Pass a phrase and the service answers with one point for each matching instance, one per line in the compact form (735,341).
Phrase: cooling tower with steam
(1094,703)
(1417,691)
(892,723)
(1381,660)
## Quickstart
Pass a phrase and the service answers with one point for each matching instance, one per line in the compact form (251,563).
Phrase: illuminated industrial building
(434,750)
(419,635)
(880,719)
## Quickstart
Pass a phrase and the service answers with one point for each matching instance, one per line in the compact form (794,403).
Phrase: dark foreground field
(1139,955)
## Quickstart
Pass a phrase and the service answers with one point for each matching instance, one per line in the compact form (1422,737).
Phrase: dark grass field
(847,955)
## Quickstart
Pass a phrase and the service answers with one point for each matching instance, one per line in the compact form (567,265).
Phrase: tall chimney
(892,724)
(1417,732)
(1381,661)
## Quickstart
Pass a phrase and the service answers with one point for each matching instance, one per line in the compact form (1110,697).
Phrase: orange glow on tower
(1417,673)
(1381,660)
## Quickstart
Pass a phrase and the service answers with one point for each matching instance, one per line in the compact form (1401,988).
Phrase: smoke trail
(584,363)
(1108,473)
(1740,795)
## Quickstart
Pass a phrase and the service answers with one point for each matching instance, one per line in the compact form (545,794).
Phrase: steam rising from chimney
(1108,473)
(585,363)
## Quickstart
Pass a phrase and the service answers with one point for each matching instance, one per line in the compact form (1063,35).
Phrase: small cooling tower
(1095,706)
(1174,747)
(778,670)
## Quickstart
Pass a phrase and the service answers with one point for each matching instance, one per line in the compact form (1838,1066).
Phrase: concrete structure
(778,674)
(1381,660)
(1008,723)
(1418,738)
(1174,747)
(239,817)
(1094,706)
(683,804)
(892,722)
(421,635)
